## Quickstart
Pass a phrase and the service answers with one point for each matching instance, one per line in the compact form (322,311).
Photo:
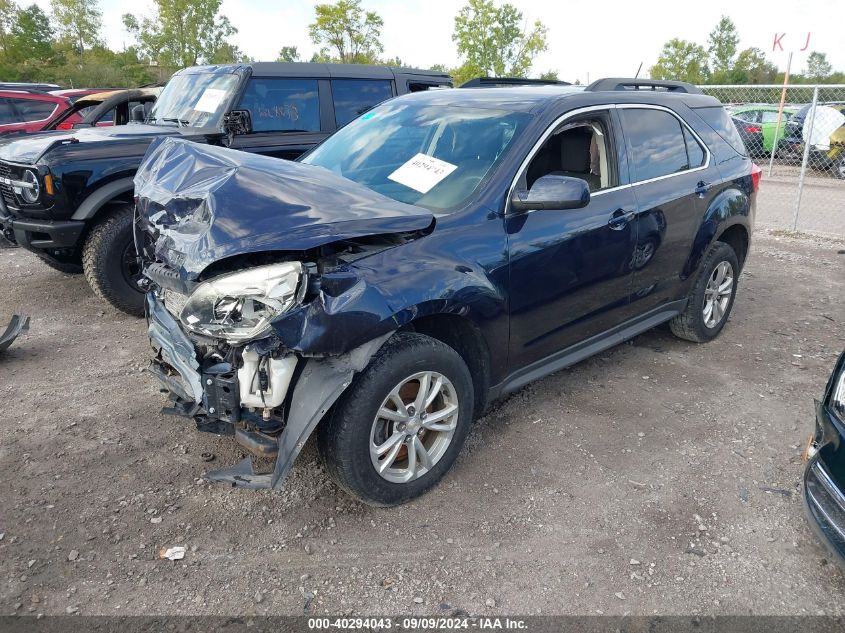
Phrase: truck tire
(383,441)
(62,267)
(711,298)
(110,264)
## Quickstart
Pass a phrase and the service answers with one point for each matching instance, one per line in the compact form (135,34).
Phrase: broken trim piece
(17,326)
(319,386)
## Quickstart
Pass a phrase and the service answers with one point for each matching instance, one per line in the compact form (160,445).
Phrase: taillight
(753,130)
(756,175)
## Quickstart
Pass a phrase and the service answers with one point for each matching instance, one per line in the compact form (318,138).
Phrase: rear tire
(696,323)
(62,267)
(110,263)
(366,418)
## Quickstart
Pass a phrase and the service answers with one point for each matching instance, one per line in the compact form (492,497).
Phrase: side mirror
(237,122)
(552,192)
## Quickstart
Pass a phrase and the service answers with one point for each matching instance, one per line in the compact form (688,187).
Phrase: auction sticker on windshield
(422,172)
(210,100)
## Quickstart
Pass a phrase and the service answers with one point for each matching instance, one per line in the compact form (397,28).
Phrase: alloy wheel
(717,294)
(414,427)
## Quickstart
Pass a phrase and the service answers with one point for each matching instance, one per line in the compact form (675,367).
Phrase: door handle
(620,219)
(702,187)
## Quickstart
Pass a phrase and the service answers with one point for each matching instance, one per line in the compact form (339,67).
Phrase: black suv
(440,251)
(67,196)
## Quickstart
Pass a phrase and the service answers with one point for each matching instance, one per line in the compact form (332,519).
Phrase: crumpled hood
(28,148)
(203,203)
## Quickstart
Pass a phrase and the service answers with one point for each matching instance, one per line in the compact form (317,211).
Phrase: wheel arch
(120,190)
(728,216)
(467,340)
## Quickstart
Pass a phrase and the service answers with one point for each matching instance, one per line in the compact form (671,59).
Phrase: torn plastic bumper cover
(317,388)
(17,325)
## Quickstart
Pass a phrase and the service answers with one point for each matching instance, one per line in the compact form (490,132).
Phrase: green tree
(8,15)
(752,67)
(549,75)
(227,53)
(78,21)
(683,61)
(493,41)
(31,39)
(181,32)
(346,32)
(818,68)
(722,44)
(288,54)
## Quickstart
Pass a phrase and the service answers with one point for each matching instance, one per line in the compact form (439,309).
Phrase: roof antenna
(638,70)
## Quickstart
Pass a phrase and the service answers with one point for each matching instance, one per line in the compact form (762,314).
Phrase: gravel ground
(661,477)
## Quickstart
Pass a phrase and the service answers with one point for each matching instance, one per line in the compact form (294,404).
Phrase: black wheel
(401,424)
(711,298)
(110,263)
(62,267)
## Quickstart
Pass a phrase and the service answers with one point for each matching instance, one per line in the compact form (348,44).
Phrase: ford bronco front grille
(5,188)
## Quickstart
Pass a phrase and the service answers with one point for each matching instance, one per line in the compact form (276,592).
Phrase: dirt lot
(661,477)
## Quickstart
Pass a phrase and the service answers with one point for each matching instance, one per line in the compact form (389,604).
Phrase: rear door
(674,182)
(353,97)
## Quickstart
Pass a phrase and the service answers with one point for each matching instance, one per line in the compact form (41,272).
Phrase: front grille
(6,189)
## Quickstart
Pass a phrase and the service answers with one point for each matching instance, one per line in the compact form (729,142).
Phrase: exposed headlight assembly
(240,306)
(30,188)
(837,397)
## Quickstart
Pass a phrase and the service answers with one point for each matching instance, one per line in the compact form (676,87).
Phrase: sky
(581,46)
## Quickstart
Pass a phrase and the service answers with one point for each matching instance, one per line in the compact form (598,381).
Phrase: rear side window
(31,110)
(657,142)
(718,119)
(695,152)
(283,105)
(353,97)
(7,113)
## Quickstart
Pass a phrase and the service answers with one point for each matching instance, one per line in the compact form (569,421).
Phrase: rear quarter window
(720,122)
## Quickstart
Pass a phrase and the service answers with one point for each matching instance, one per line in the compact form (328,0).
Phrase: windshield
(431,156)
(194,100)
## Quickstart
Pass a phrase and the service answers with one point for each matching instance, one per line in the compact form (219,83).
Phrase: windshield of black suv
(194,100)
(431,156)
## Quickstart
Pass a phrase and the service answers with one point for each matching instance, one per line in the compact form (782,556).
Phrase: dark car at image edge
(67,196)
(824,475)
(440,251)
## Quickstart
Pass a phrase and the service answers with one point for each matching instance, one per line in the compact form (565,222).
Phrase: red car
(29,110)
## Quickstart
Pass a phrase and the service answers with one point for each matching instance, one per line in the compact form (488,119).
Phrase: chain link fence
(801,151)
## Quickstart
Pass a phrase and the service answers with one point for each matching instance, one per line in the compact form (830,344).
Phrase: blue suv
(438,252)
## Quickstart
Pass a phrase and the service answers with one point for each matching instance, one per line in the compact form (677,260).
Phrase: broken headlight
(240,306)
(837,398)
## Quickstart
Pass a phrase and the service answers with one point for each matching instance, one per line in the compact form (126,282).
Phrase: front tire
(401,424)
(110,261)
(712,296)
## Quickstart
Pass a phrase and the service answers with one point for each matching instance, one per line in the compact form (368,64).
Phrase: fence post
(780,113)
(806,156)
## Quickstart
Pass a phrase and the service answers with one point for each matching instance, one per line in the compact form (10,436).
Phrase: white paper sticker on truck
(210,100)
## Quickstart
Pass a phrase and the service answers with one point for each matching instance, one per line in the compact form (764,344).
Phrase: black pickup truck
(67,196)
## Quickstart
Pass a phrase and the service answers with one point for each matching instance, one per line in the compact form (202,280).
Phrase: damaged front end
(257,320)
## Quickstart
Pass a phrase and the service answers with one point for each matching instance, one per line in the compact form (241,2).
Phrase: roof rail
(618,83)
(498,82)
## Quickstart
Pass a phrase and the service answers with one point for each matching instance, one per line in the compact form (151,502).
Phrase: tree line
(719,62)
(67,46)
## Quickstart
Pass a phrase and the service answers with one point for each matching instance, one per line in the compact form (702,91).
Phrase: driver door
(571,270)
